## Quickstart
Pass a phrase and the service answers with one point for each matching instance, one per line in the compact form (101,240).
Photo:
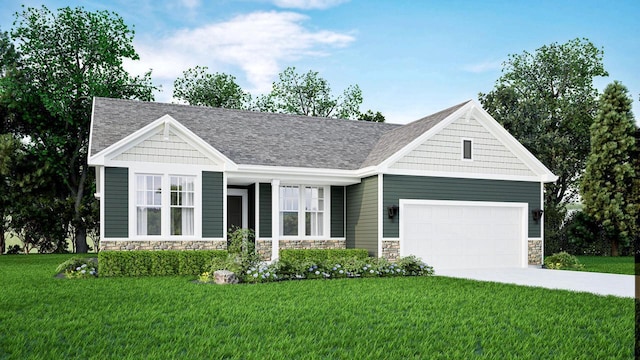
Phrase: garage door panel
(464,236)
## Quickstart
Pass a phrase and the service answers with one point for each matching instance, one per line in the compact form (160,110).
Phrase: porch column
(275,219)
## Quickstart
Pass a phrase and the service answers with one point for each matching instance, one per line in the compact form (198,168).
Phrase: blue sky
(410,58)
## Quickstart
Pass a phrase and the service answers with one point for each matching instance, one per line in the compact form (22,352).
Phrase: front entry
(237,208)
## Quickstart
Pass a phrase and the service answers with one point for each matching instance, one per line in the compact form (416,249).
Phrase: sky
(411,58)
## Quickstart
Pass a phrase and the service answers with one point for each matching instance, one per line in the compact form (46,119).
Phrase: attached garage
(464,234)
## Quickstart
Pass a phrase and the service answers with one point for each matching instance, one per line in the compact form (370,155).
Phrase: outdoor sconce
(392,211)
(537,215)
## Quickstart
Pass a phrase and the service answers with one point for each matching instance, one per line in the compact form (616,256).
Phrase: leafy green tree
(370,116)
(65,59)
(607,185)
(198,87)
(309,94)
(547,101)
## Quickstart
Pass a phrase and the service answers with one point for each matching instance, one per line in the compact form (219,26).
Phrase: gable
(172,149)
(442,152)
(166,141)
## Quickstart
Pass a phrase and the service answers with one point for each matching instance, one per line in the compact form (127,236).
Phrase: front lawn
(373,318)
(608,264)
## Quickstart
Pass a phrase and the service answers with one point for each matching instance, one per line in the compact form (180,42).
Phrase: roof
(257,138)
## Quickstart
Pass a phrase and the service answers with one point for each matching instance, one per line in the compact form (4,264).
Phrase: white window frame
(165,172)
(462,141)
(184,204)
(326,225)
(144,204)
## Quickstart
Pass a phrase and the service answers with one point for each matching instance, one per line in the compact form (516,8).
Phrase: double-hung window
(182,205)
(149,204)
(165,205)
(302,210)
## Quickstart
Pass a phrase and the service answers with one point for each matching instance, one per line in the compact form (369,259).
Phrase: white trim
(460,175)
(256,208)
(244,193)
(542,220)
(101,204)
(326,212)
(380,206)
(275,219)
(294,175)
(93,111)
(524,261)
(470,140)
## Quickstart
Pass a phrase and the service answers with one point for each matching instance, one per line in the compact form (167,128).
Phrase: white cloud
(259,43)
(484,66)
(307,4)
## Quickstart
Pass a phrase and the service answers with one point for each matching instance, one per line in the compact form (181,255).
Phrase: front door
(237,208)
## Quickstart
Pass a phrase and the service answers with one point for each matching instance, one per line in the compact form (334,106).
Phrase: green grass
(43,317)
(608,264)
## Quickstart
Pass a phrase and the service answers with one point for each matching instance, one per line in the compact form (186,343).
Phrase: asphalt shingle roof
(255,138)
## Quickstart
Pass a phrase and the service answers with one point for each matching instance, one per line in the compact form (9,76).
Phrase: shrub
(156,263)
(79,268)
(562,261)
(319,255)
(240,259)
(14,250)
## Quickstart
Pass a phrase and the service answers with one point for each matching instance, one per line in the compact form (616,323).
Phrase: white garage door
(456,234)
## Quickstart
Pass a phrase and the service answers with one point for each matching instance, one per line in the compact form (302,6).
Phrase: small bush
(14,250)
(79,268)
(156,263)
(562,261)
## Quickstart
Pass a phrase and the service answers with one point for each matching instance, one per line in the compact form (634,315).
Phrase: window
(149,204)
(466,149)
(289,200)
(182,205)
(292,213)
(165,204)
(314,211)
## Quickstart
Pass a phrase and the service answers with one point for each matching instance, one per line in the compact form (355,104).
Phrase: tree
(608,183)
(65,59)
(547,101)
(370,116)
(198,87)
(309,94)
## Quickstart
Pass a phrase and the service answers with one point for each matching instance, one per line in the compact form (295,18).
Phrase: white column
(275,219)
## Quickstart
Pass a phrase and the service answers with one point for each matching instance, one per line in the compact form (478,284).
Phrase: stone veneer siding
(535,252)
(391,250)
(313,244)
(263,248)
(106,245)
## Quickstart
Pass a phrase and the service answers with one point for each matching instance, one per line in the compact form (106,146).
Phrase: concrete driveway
(596,283)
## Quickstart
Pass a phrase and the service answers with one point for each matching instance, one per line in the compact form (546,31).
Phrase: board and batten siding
(337,211)
(212,205)
(116,202)
(362,215)
(265,210)
(172,150)
(396,187)
(443,152)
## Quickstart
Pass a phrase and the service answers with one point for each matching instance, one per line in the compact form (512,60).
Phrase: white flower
(371,271)
(83,271)
(78,268)
(341,271)
(317,272)
(255,275)
(248,271)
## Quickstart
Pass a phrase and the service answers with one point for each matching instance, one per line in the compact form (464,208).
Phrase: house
(454,188)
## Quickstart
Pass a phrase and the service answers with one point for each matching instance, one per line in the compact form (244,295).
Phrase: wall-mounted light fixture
(392,211)
(537,215)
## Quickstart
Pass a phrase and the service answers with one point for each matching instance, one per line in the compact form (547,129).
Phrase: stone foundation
(313,244)
(391,250)
(263,248)
(106,245)
(535,252)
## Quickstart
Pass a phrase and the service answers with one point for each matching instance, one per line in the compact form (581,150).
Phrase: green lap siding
(265,210)
(212,205)
(398,187)
(116,202)
(337,211)
(362,215)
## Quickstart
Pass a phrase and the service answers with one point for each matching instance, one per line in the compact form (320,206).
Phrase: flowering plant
(76,268)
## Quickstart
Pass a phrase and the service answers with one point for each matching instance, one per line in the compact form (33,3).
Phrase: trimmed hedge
(156,263)
(321,255)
